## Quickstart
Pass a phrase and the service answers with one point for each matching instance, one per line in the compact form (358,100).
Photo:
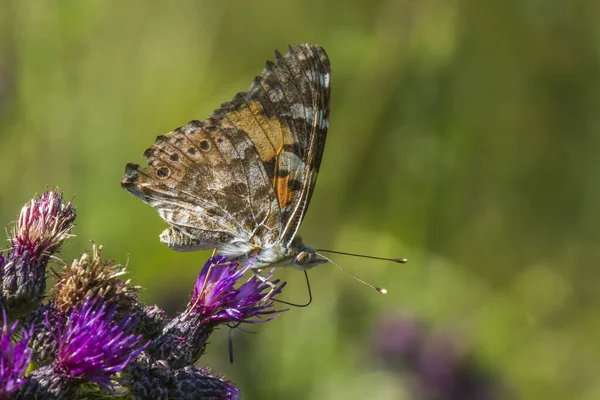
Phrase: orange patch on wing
(267,141)
(285,196)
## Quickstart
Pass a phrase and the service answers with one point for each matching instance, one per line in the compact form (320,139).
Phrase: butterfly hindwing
(205,180)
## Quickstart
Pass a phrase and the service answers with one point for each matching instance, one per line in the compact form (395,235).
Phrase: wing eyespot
(205,145)
(192,151)
(163,172)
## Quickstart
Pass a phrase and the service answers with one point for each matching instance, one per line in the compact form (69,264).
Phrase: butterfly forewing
(312,63)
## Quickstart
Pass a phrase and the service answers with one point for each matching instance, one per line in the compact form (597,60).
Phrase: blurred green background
(464,136)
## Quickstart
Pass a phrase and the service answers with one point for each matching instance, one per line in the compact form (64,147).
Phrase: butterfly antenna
(380,290)
(396,260)
(309,295)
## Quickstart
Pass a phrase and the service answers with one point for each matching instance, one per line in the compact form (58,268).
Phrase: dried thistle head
(91,276)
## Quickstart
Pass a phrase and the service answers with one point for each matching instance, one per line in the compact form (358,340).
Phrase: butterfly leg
(264,279)
(210,267)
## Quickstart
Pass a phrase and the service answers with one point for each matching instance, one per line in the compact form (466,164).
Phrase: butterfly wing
(286,113)
(241,180)
(207,181)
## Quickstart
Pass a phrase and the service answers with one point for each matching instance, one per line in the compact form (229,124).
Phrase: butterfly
(241,180)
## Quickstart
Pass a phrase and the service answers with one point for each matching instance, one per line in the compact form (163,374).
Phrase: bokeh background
(464,135)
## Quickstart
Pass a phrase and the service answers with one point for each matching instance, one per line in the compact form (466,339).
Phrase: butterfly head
(302,256)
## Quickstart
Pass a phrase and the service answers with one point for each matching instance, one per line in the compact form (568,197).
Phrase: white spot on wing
(275,95)
(324,79)
(299,112)
(310,115)
(291,161)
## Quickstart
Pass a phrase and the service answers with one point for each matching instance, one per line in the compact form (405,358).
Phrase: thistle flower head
(90,276)
(152,321)
(92,347)
(44,224)
(158,380)
(42,342)
(23,281)
(193,382)
(14,359)
(217,300)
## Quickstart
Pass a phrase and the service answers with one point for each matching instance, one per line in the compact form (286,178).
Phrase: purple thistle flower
(92,347)
(217,301)
(14,359)
(43,226)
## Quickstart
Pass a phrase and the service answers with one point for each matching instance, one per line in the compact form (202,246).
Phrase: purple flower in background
(398,340)
(14,359)
(217,300)
(93,347)
(433,365)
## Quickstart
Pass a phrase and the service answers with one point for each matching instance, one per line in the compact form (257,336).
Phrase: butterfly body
(241,180)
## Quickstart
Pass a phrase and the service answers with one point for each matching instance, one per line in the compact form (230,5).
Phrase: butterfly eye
(302,258)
